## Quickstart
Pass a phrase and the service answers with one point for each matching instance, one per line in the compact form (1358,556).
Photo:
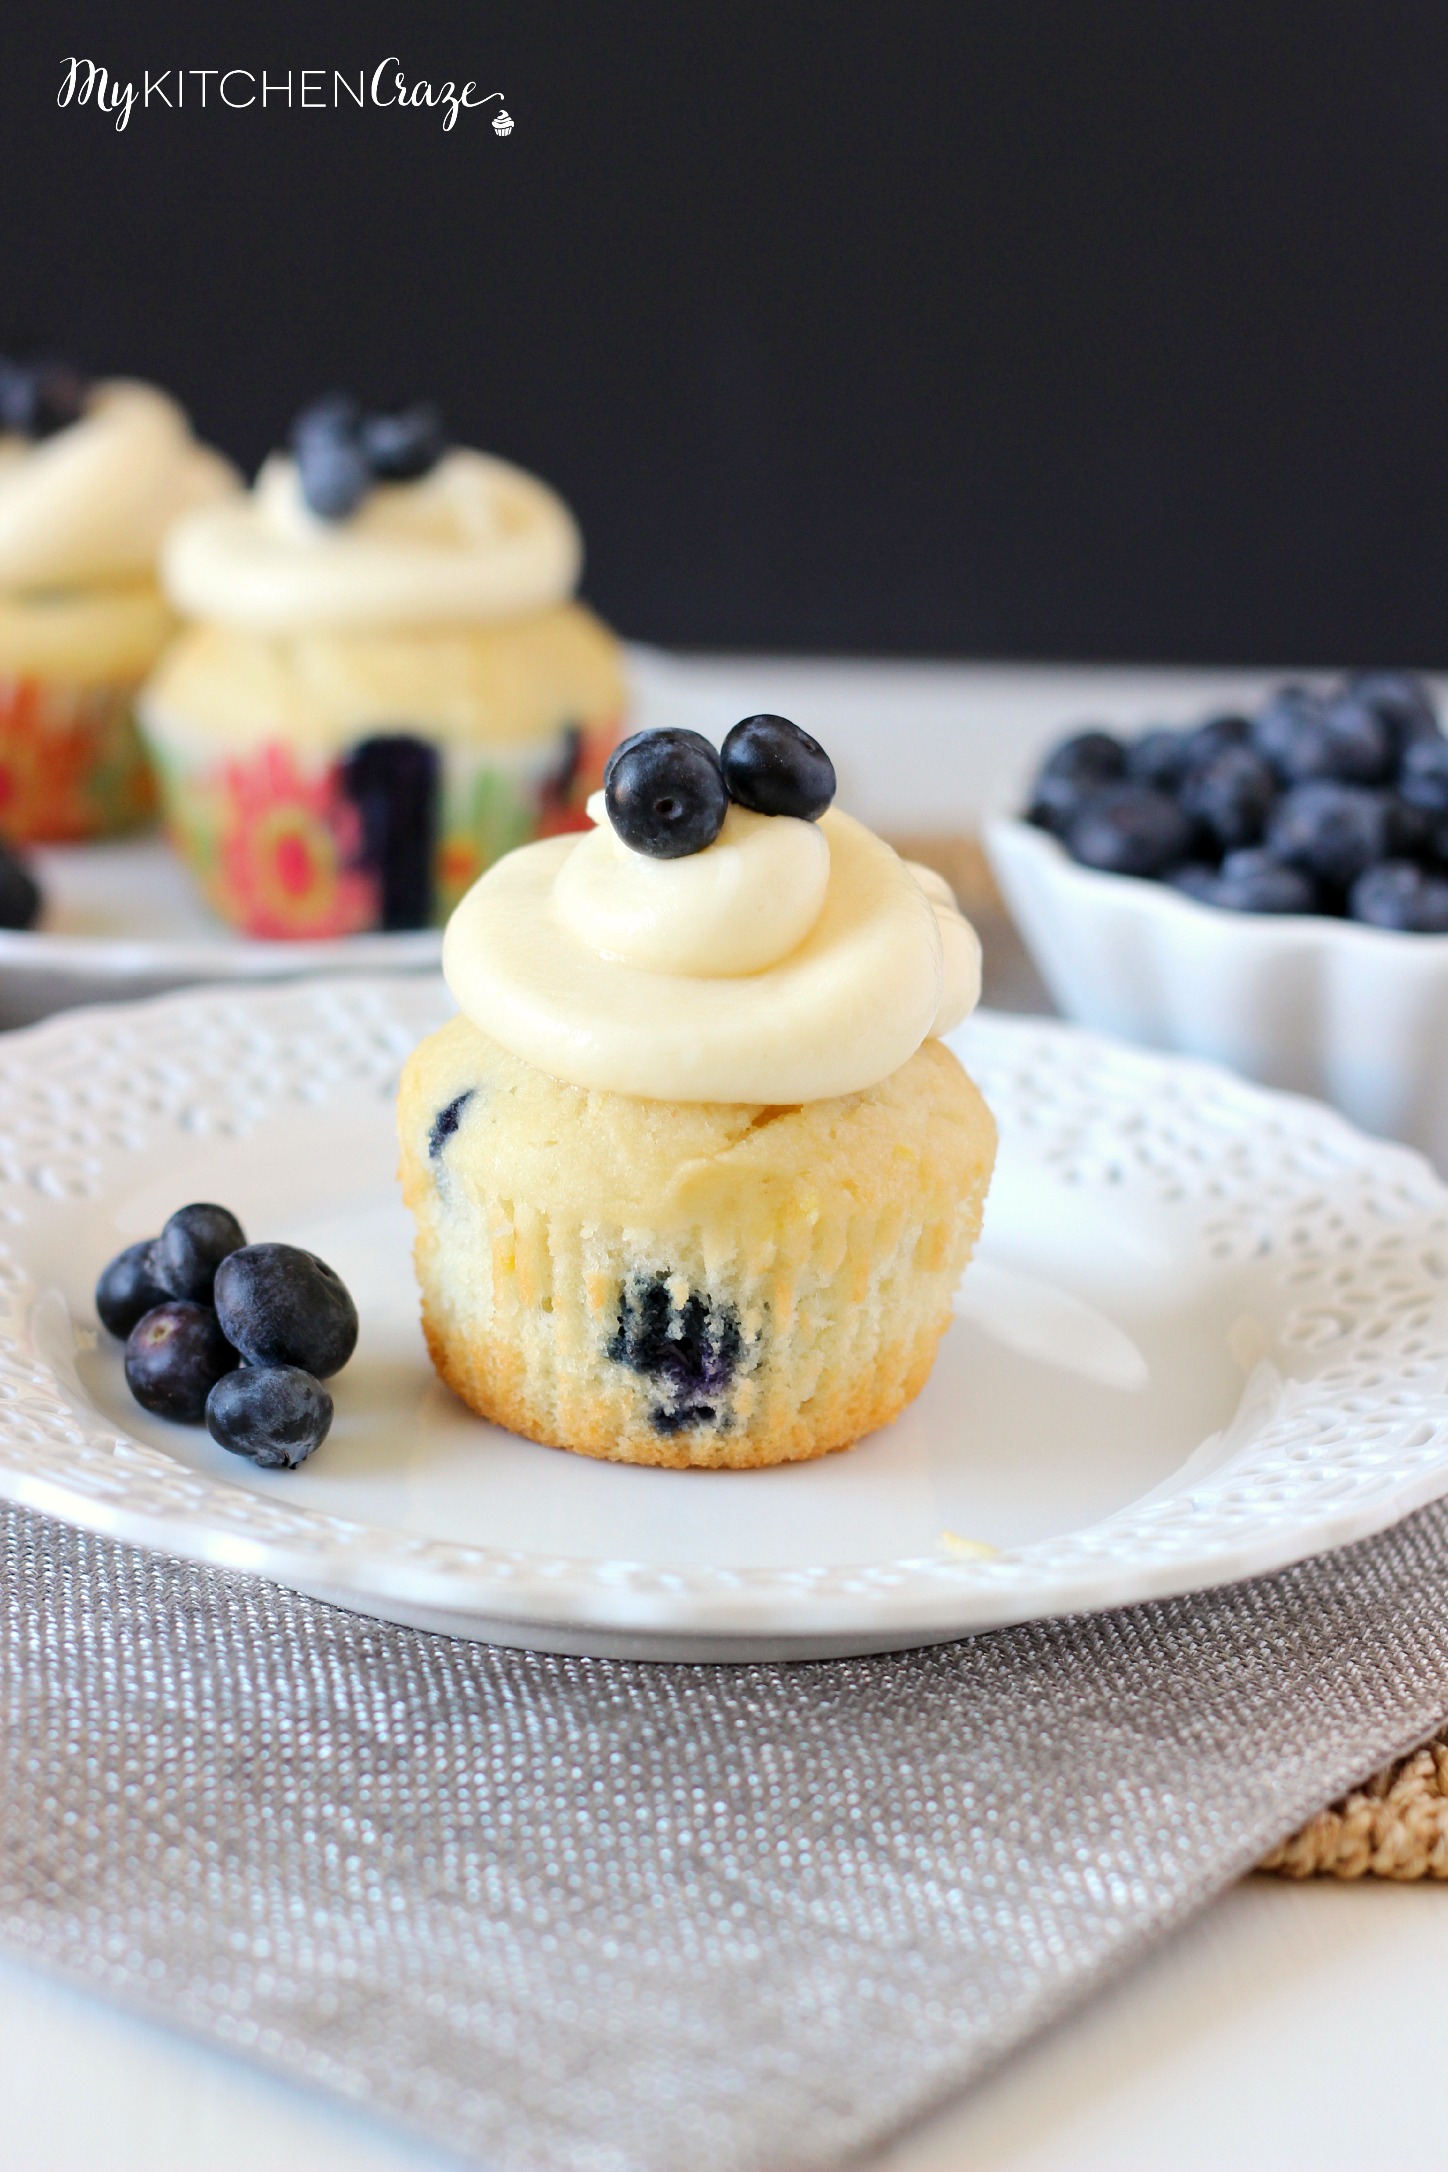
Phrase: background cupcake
(388,683)
(91,476)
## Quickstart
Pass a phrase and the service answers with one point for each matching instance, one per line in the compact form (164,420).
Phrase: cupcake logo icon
(502,123)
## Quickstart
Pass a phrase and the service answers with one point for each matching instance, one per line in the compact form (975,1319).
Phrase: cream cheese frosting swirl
(787,962)
(472,541)
(90,505)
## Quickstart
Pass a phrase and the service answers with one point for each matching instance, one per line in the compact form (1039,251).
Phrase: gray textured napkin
(572,1913)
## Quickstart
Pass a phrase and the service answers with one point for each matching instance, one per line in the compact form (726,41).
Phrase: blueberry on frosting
(404,442)
(40,397)
(342,452)
(774,768)
(665,793)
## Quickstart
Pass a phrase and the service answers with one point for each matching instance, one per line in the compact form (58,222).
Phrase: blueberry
(1362,746)
(335,415)
(39,398)
(666,793)
(1128,829)
(690,1352)
(334,476)
(404,442)
(332,466)
(1231,796)
(175,1354)
(126,1289)
(1305,735)
(1411,831)
(773,767)
(1423,775)
(273,1414)
(17,397)
(446,1122)
(1196,879)
(1255,881)
(1401,700)
(1333,831)
(1158,758)
(1206,741)
(1073,773)
(191,1247)
(1400,895)
(1289,732)
(19,892)
(282,1306)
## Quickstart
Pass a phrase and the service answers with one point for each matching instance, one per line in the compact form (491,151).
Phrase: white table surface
(1289,2029)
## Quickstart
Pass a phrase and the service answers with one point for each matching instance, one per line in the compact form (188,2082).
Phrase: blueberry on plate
(1127,829)
(1423,775)
(774,768)
(404,442)
(1231,796)
(1158,758)
(19,892)
(127,1289)
(1253,880)
(1332,831)
(275,1415)
(175,1354)
(280,1305)
(1401,700)
(1399,894)
(1073,773)
(666,793)
(191,1247)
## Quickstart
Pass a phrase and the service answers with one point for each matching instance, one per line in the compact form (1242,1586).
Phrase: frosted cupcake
(388,683)
(91,476)
(694,1178)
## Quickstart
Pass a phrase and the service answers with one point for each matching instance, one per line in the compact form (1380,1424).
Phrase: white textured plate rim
(85,1471)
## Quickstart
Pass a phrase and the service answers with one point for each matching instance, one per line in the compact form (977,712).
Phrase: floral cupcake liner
(294,844)
(72,765)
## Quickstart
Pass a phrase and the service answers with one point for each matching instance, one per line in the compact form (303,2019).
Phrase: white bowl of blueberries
(1269,891)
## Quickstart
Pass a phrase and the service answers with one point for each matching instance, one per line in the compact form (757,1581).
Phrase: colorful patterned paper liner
(285,844)
(72,765)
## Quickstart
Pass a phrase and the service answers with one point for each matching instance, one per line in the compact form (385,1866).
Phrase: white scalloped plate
(1207,1334)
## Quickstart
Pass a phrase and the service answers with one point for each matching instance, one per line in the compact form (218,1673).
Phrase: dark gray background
(1023,329)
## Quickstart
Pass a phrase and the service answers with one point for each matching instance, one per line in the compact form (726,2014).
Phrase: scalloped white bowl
(1354,1015)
